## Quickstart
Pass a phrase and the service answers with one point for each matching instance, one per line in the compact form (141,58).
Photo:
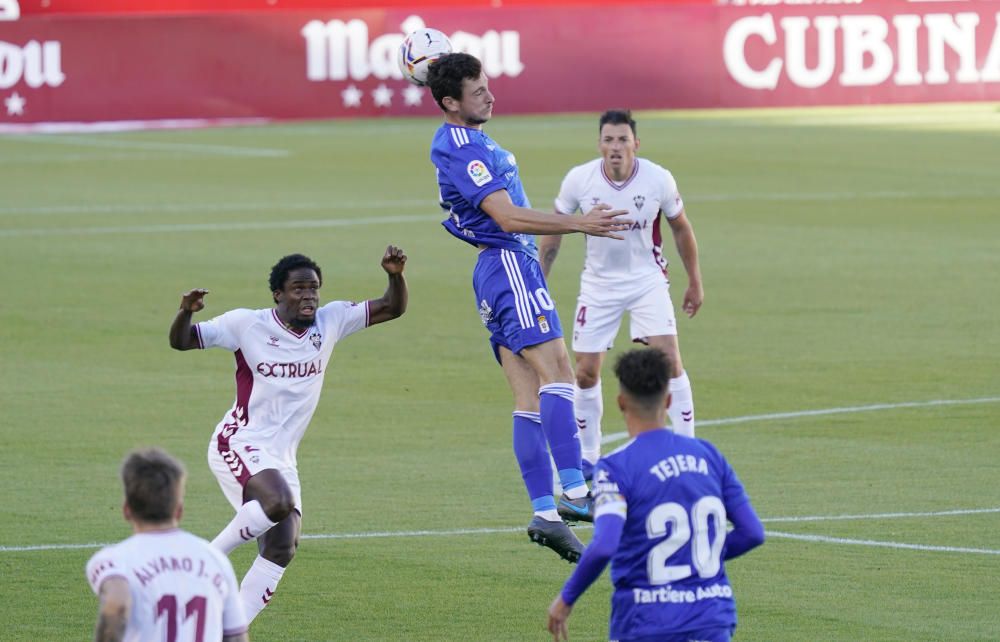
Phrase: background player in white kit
(281,355)
(626,277)
(163,583)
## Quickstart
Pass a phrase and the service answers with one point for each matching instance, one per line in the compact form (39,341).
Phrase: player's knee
(284,507)
(278,506)
(587,377)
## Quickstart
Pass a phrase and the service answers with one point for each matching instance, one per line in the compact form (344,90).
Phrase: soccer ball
(419,50)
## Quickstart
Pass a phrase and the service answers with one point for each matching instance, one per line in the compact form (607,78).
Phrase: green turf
(850,258)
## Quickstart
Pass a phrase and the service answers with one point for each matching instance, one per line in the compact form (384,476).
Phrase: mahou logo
(37,63)
(862,43)
(338,50)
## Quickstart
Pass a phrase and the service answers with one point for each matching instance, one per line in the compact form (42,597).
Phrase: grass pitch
(850,259)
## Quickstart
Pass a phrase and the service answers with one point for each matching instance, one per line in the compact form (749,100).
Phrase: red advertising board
(150,7)
(308,64)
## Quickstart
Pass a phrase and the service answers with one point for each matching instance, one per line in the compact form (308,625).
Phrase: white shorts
(242,460)
(599,313)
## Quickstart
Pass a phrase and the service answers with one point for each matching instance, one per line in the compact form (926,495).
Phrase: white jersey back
(182,587)
(650,190)
(279,372)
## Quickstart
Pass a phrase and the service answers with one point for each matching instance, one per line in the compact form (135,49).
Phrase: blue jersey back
(667,572)
(470,166)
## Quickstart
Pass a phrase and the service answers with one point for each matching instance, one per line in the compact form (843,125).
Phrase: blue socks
(555,424)
(533,458)
(555,401)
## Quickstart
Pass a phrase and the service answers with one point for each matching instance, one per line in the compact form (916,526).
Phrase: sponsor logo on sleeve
(478,173)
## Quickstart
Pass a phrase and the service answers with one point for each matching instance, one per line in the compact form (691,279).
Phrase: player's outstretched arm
(183,336)
(393,303)
(607,536)
(600,221)
(687,248)
(113,613)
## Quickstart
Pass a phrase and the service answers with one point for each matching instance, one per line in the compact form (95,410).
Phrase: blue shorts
(715,634)
(513,300)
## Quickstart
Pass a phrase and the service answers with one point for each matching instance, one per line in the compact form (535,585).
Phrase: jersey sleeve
(224,330)
(671,202)
(344,318)
(472,173)
(608,496)
(102,566)
(568,200)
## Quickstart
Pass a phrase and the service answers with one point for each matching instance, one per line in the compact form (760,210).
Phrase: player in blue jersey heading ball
(481,188)
(661,506)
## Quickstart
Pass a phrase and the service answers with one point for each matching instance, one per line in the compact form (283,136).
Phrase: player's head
(617,139)
(461,89)
(154,487)
(295,283)
(644,383)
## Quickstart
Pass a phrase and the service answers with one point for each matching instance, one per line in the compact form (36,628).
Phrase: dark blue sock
(555,402)
(533,458)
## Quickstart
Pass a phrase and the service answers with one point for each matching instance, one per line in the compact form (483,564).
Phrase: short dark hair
(154,484)
(617,117)
(446,74)
(281,269)
(644,374)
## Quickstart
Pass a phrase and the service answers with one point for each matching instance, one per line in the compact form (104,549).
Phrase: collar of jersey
(274,315)
(621,186)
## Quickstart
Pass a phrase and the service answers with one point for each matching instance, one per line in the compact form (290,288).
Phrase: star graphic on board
(352,96)
(382,96)
(15,104)
(413,95)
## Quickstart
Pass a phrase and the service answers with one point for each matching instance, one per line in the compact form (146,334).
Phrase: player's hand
(394,260)
(558,614)
(193,300)
(604,221)
(694,296)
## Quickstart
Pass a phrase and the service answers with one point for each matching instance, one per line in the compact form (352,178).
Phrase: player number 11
(195,606)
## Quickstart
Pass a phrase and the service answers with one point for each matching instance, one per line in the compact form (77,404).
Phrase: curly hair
(446,74)
(281,269)
(644,374)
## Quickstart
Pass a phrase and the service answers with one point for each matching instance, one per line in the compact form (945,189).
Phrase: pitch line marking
(180,208)
(870,542)
(618,436)
(518,529)
(216,227)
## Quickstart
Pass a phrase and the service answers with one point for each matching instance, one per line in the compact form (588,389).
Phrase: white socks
(250,521)
(681,409)
(258,586)
(589,408)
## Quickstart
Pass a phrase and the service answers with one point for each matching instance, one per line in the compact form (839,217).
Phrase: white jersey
(279,372)
(650,190)
(182,587)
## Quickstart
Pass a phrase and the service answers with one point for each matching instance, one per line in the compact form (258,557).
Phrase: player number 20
(706,554)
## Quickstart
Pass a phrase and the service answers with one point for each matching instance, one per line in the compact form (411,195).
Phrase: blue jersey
(470,166)
(674,493)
